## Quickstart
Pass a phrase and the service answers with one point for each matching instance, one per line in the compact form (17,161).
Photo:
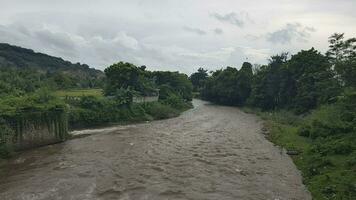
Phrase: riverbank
(328,167)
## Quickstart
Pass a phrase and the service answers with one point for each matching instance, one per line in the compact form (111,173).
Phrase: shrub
(304,130)
(333,145)
(160,111)
(176,102)
(5,150)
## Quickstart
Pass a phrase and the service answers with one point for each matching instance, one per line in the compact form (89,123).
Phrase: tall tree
(342,54)
(198,79)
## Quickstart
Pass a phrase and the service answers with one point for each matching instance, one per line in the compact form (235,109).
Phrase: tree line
(310,97)
(299,82)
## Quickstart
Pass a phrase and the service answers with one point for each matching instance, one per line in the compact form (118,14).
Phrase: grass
(79,93)
(329,176)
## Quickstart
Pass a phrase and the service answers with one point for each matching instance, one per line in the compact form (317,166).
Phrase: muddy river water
(209,152)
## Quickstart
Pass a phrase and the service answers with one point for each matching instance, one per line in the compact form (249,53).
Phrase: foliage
(178,83)
(125,80)
(342,54)
(160,111)
(79,93)
(303,82)
(41,100)
(127,76)
(229,86)
(198,79)
(93,111)
(18,82)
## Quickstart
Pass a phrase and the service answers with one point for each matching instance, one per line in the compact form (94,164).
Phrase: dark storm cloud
(237,19)
(194,30)
(289,33)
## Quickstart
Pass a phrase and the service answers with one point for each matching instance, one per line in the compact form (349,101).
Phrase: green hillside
(81,75)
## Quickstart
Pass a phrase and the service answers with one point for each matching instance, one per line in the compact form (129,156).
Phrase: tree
(229,86)
(342,54)
(178,82)
(336,47)
(314,79)
(271,84)
(198,79)
(244,82)
(122,75)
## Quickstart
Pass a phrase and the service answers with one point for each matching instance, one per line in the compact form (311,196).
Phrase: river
(208,153)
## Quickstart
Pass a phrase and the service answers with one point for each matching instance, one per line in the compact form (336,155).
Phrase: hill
(14,57)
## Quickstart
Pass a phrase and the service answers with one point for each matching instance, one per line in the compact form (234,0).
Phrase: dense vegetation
(34,86)
(124,81)
(309,100)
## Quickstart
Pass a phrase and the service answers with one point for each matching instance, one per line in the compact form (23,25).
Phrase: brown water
(209,152)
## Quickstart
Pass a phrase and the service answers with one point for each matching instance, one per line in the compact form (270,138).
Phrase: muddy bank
(209,152)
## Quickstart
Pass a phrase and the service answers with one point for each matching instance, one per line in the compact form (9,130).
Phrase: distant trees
(18,82)
(300,82)
(126,76)
(14,81)
(314,80)
(269,82)
(198,79)
(229,86)
(179,83)
(122,75)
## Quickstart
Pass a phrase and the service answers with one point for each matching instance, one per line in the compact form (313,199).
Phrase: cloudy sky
(173,34)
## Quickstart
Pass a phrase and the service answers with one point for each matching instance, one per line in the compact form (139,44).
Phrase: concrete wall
(35,136)
(145,99)
(36,130)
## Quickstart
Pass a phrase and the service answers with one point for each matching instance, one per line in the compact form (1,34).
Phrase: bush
(304,131)
(91,111)
(160,111)
(351,162)
(5,151)
(176,102)
(333,146)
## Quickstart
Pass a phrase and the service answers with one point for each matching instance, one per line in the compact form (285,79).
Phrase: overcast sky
(173,34)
